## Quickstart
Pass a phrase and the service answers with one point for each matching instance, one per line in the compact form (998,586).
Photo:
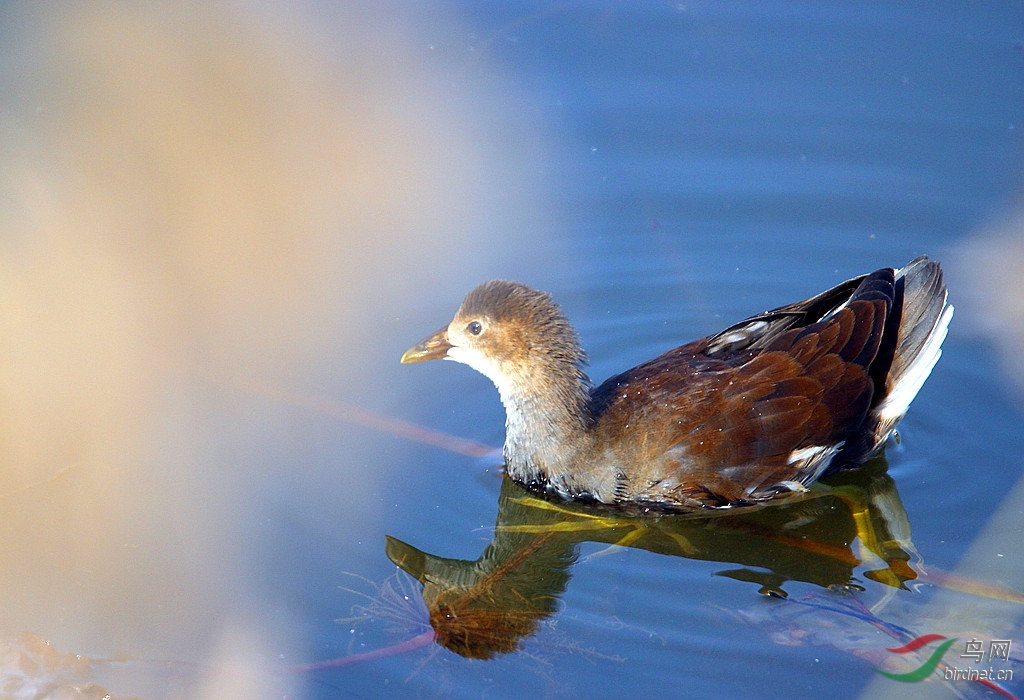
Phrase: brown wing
(740,421)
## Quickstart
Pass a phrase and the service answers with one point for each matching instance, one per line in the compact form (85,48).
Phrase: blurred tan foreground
(194,197)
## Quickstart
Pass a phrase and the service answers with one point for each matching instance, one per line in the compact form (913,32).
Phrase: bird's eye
(474,328)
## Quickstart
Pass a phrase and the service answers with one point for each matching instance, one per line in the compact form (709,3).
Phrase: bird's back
(772,403)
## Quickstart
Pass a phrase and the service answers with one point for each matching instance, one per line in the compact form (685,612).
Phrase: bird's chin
(457,354)
(482,364)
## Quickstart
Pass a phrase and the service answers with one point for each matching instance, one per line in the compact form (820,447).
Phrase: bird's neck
(547,421)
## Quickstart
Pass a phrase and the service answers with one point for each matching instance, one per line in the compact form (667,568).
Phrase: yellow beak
(433,348)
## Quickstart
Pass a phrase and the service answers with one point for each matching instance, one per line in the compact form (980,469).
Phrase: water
(664,170)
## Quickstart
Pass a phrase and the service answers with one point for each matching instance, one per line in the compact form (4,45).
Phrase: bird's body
(766,406)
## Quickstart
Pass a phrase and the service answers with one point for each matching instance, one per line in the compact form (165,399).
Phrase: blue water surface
(703,162)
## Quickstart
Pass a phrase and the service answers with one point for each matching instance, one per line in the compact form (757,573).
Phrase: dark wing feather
(758,331)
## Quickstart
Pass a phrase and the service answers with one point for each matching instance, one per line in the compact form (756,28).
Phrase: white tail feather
(898,401)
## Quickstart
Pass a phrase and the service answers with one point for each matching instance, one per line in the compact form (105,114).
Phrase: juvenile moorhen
(766,406)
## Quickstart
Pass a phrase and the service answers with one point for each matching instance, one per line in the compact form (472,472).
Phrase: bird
(763,408)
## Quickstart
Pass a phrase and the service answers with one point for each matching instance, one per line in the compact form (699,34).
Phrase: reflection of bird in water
(484,607)
(767,406)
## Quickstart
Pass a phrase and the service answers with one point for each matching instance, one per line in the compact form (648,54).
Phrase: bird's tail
(919,324)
